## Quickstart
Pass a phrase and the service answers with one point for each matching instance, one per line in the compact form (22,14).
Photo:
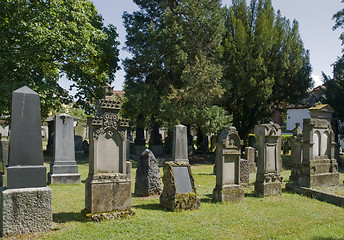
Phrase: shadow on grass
(151,206)
(67,217)
(208,199)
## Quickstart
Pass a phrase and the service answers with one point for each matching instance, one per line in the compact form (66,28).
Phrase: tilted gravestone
(228,152)
(108,186)
(179,192)
(148,181)
(63,168)
(180,144)
(27,201)
(268,179)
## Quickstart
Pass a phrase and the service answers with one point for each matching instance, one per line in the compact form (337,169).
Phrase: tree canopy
(335,86)
(41,40)
(174,74)
(264,62)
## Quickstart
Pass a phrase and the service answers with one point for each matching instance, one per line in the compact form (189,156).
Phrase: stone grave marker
(108,185)
(250,156)
(296,152)
(318,166)
(268,179)
(244,172)
(180,144)
(4,147)
(155,142)
(228,152)
(179,192)
(63,168)
(148,181)
(27,201)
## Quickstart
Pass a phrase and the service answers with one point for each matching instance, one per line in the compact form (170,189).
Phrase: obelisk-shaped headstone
(64,169)
(27,201)
(26,169)
(180,144)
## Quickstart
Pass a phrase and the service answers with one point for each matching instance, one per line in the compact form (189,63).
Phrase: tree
(264,63)
(174,74)
(335,86)
(41,40)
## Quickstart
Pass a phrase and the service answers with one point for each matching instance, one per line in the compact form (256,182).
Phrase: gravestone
(63,168)
(250,156)
(108,185)
(180,144)
(318,167)
(79,136)
(179,192)
(244,172)
(27,201)
(51,129)
(286,147)
(228,152)
(155,142)
(296,152)
(4,147)
(140,141)
(148,181)
(268,178)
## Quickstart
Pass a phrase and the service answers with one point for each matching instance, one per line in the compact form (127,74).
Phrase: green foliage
(264,63)
(335,86)
(41,40)
(174,74)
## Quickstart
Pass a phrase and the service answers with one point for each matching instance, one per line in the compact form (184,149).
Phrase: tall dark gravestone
(64,169)
(27,201)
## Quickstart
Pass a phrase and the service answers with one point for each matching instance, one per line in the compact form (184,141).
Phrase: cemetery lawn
(289,216)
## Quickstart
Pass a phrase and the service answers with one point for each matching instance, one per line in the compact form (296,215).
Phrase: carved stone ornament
(108,122)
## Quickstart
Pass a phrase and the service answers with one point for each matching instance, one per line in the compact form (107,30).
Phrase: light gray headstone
(26,167)
(180,144)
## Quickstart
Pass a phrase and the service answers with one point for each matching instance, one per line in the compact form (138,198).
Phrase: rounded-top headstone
(180,144)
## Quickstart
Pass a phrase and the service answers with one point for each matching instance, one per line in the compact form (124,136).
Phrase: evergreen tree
(264,63)
(174,74)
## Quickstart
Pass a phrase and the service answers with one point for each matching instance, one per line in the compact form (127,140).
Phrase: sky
(315,27)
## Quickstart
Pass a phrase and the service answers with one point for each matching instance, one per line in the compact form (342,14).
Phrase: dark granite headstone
(182,179)
(26,169)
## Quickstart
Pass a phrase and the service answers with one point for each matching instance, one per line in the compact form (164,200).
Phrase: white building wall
(296,116)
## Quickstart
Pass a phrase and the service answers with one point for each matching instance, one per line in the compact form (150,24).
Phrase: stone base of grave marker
(229,193)
(179,192)
(318,173)
(26,177)
(64,173)
(25,210)
(111,193)
(270,187)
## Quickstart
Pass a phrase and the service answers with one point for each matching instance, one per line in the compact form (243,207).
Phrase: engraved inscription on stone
(270,164)
(229,169)
(182,179)
(109,153)
(316,139)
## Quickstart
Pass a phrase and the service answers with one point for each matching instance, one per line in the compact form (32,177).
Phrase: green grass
(289,216)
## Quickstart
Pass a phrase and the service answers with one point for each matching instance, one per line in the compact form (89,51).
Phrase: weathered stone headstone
(268,179)
(63,168)
(27,201)
(296,152)
(3,159)
(51,129)
(140,141)
(244,172)
(286,147)
(250,156)
(108,186)
(180,144)
(148,181)
(179,191)
(318,167)
(228,152)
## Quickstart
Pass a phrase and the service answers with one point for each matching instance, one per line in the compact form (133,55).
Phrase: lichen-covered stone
(173,200)
(244,171)
(26,210)
(113,215)
(148,181)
